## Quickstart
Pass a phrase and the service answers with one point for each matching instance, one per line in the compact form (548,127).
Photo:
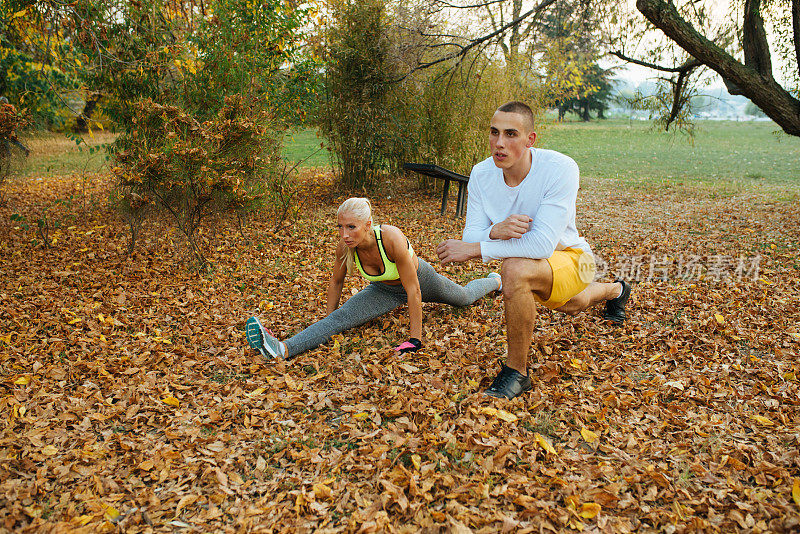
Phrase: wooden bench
(435,171)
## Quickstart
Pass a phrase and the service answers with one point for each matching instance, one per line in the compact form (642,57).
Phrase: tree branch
(464,49)
(775,101)
(678,98)
(754,39)
(690,63)
(469,6)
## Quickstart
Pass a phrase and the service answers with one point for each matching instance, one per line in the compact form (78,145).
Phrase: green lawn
(721,154)
(726,154)
(55,153)
(734,152)
(305,147)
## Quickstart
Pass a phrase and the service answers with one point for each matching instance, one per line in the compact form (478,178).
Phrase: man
(521,210)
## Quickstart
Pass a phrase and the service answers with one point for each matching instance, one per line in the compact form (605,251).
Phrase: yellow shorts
(573,270)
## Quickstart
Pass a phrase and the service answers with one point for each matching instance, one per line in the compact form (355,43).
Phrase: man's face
(510,137)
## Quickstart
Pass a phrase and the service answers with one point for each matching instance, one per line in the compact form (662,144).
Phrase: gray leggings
(379,299)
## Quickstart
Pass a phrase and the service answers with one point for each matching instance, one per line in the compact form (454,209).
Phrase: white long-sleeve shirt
(547,195)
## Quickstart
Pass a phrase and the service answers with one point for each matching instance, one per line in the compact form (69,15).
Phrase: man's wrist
(476,250)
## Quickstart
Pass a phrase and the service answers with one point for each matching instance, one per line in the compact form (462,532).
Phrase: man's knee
(522,274)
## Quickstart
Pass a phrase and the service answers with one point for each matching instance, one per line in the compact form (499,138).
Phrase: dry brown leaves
(130,401)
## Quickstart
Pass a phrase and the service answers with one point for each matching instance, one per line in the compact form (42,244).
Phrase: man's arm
(548,225)
(477,224)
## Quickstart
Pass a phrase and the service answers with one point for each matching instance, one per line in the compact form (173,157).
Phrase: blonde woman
(383,256)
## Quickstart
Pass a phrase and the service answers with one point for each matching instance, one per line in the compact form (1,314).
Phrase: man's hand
(514,227)
(455,250)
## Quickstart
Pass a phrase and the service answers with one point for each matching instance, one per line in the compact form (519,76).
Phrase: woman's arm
(396,246)
(337,279)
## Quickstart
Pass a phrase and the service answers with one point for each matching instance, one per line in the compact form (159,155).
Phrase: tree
(753,77)
(568,48)
(37,62)
(360,76)
(453,48)
(549,48)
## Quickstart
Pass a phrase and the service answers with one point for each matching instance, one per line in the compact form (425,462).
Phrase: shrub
(11,121)
(170,163)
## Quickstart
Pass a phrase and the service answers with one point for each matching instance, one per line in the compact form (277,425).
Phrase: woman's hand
(412,345)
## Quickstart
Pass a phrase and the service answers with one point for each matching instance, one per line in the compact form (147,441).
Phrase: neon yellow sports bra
(389,268)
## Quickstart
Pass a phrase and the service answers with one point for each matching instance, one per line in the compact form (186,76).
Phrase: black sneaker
(508,384)
(615,308)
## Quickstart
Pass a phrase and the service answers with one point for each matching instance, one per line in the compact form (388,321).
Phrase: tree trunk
(796,29)
(82,120)
(764,91)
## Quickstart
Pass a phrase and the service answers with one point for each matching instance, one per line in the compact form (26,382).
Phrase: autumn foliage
(129,401)
(11,121)
(174,165)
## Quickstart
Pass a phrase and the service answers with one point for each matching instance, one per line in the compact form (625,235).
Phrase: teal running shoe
(262,340)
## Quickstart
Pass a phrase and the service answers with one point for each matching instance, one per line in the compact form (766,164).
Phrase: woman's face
(352,231)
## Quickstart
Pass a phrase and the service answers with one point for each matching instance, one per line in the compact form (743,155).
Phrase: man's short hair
(520,108)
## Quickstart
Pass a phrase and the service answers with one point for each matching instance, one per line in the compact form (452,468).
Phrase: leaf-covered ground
(130,401)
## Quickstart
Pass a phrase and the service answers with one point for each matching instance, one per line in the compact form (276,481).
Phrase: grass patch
(720,153)
(725,156)
(304,147)
(55,153)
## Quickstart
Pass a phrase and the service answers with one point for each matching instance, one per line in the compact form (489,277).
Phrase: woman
(384,256)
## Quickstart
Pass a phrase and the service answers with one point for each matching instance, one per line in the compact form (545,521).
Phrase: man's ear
(531,139)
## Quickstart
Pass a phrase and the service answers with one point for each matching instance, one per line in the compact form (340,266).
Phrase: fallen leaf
(675,384)
(588,435)
(500,414)
(172,401)
(321,491)
(589,510)
(111,513)
(416,460)
(762,420)
(543,443)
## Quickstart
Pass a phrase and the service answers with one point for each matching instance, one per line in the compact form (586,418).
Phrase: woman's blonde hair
(361,209)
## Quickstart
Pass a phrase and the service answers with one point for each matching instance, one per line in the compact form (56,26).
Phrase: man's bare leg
(594,293)
(522,277)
